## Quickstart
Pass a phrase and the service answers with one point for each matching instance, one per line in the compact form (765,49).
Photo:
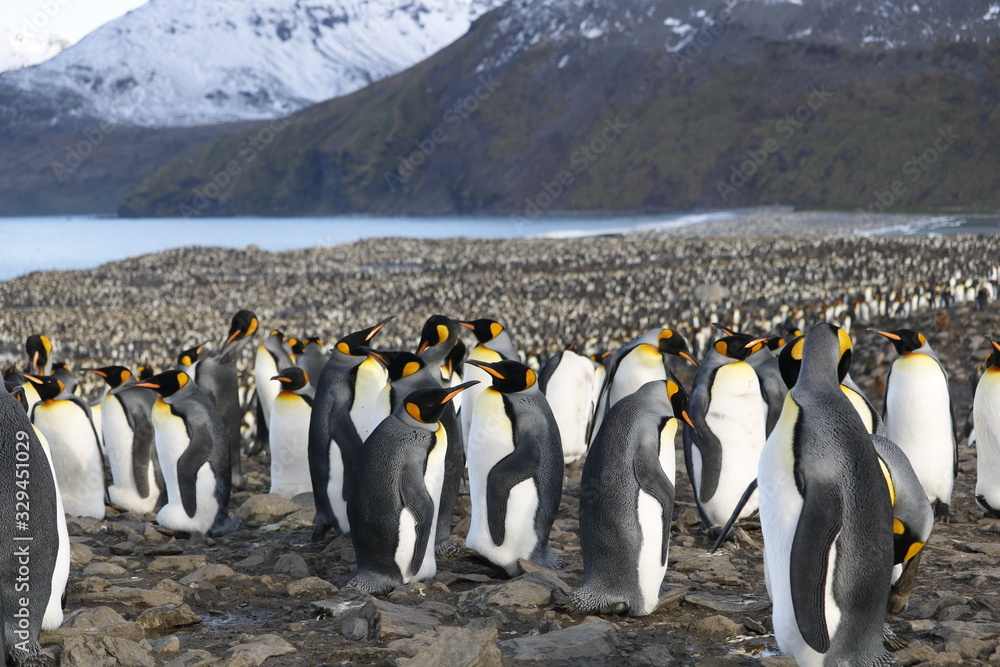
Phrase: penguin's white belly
(335,487)
(918,419)
(290,446)
(986,420)
(170,435)
(651,567)
(641,365)
(569,395)
(53,617)
(76,457)
(264,369)
(371,378)
(434,482)
(472,394)
(520,538)
(406,544)
(737,415)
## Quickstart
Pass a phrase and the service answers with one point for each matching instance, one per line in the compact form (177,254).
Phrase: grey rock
(130,597)
(651,656)
(168,616)
(525,591)
(122,548)
(193,658)
(967,647)
(210,573)
(80,554)
(313,586)
(265,508)
(915,653)
(256,651)
(83,525)
(91,651)
(102,621)
(188,563)
(166,646)
(305,500)
(726,603)
(716,627)
(299,520)
(104,570)
(588,641)
(450,645)
(260,556)
(293,565)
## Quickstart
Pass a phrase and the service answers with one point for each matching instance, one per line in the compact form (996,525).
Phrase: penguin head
(679,402)
(11,373)
(47,386)
(115,376)
(190,355)
(993,360)
(398,364)
(351,345)
(145,371)
(275,340)
(296,346)
(904,340)
(790,360)
(292,379)
(509,376)
(485,330)
(315,340)
(427,405)
(168,383)
(17,391)
(738,346)
(826,354)
(671,342)
(39,348)
(455,361)
(244,324)
(438,330)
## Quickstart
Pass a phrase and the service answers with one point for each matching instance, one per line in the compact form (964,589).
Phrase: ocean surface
(83,242)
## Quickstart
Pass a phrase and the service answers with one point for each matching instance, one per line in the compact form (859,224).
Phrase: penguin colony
(830,626)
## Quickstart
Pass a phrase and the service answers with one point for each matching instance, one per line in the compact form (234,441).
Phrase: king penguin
(290,413)
(218,378)
(493,344)
(437,338)
(39,350)
(729,412)
(626,502)
(567,381)
(312,359)
(137,484)
(765,365)
(919,416)
(515,469)
(399,473)
(638,362)
(189,357)
(271,356)
(342,417)
(986,422)
(824,511)
(64,420)
(193,449)
(34,554)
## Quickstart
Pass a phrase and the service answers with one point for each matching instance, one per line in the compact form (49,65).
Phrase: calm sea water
(82,242)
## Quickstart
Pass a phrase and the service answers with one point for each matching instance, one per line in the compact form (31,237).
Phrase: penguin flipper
(819,524)
(188,465)
(654,481)
(504,476)
(414,496)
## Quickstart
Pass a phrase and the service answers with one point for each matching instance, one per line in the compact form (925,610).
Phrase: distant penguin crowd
(385,440)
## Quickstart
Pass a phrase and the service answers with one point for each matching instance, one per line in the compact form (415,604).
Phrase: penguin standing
(398,477)
(437,338)
(188,358)
(34,554)
(343,413)
(918,415)
(567,381)
(218,378)
(515,469)
(494,344)
(272,355)
(137,484)
(730,426)
(290,413)
(636,363)
(193,449)
(64,420)
(626,502)
(824,511)
(986,422)
(765,365)
(312,359)
(39,350)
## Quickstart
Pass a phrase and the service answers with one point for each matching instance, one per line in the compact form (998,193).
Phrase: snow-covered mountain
(194,62)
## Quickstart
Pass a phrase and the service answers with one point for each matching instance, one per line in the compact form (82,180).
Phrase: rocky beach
(138,596)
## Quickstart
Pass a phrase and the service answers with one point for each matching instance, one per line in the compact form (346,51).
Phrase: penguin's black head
(679,402)
(167,383)
(115,376)
(11,373)
(39,348)
(190,355)
(455,361)
(292,379)
(427,405)
(352,343)
(315,340)
(904,340)
(509,376)
(601,358)
(244,324)
(438,330)
(47,386)
(790,360)
(737,346)
(671,342)
(993,360)
(145,371)
(17,391)
(296,346)
(398,364)
(485,330)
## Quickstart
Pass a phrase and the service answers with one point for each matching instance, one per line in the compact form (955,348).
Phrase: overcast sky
(35,30)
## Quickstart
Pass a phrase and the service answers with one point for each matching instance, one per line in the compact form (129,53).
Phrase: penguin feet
(446,549)
(990,512)
(223,526)
(238,481)
(372,583)
(31,656)
(547,557)
(942,511)
(585,600)
(891,641)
